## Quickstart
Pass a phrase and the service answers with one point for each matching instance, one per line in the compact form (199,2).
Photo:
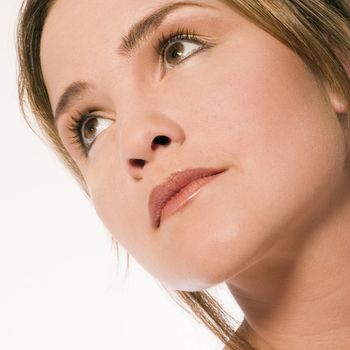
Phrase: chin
(212,258)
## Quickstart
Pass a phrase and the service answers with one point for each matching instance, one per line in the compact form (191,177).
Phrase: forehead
(74,31)
(79,35)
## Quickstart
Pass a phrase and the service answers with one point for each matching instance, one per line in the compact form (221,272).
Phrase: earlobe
(339,104)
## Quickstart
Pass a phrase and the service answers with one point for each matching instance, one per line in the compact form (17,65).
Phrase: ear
(339,104)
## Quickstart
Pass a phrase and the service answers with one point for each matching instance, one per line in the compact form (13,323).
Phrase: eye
(176,47)
(178,51)
(86,129)
(92,127)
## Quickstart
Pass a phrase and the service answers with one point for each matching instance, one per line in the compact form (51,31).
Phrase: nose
(145,140)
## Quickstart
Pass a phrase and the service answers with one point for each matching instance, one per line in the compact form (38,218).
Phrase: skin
(276,222)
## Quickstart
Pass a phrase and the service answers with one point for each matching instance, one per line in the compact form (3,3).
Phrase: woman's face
(231,97)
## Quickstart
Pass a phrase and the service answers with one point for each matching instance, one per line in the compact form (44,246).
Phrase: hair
(316,30)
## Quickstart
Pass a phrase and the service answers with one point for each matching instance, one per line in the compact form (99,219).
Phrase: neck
(298,295)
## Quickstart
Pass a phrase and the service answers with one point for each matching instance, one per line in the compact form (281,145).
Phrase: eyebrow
(73,92)
(136,34)
(150,23)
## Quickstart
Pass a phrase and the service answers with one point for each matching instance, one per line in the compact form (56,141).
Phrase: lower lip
(184,195)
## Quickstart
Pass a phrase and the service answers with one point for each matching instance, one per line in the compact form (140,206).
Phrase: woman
(212,138)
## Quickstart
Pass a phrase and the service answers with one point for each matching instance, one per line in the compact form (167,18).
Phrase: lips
(162,193)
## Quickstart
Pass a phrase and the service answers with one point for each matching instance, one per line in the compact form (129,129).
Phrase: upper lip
(174,183)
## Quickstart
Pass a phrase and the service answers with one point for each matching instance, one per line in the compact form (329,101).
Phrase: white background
(60,284)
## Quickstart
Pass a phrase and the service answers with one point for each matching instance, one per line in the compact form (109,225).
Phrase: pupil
(176,51)
(90,128)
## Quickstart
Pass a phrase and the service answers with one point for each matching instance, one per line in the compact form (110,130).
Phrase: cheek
(262,106)
(108,190)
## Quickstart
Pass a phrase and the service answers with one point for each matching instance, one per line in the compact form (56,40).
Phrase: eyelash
(75,126)
(164,42)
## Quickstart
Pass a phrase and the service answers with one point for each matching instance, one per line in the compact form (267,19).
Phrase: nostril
(139,163)
(160,140)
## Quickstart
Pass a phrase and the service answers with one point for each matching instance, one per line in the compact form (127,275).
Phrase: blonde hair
(318,31)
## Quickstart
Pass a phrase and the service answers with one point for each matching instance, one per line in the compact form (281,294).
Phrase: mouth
(168,197)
